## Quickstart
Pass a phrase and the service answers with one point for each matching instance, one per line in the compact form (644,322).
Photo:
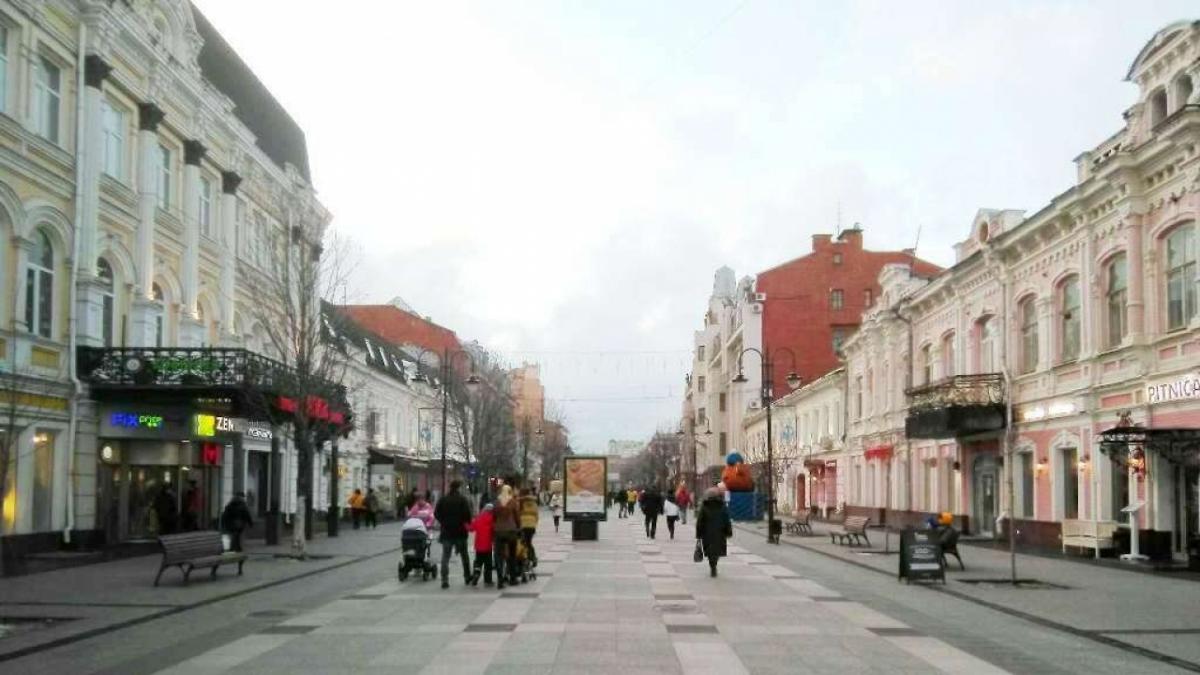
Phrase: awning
(883,452)
(1179,445)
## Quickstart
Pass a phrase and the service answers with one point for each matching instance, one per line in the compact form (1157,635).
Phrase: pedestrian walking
(482,527)
(356,507)
(372,508)
(505,531)
(713,527)
(167,509)
(236,518)
(421,508)
(191,507)
(556,508)
(652,504)
(453,513)
(683,499)
(671,511)
(631,497)
(529,520)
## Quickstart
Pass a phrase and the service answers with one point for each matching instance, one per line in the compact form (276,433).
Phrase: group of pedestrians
(364,508)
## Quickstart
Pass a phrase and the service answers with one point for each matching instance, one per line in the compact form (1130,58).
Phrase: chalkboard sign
(921,556)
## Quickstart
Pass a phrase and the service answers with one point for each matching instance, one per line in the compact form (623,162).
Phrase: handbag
(698,554)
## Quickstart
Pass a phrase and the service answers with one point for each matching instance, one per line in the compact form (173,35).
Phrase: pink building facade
(1059,321)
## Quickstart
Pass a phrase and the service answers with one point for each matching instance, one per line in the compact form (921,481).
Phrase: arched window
(108,307)
(1117,280)
(1158,107)
(160,318)
(985,333)
(39,286)
(1183,90)
(1181,276)
(1029,335)
(1070,324)
(948,355)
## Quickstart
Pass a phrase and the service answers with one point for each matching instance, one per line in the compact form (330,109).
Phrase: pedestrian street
(620,604)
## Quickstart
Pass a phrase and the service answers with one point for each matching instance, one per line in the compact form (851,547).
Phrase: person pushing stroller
(415,549)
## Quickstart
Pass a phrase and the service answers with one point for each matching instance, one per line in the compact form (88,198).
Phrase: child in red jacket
(482,527)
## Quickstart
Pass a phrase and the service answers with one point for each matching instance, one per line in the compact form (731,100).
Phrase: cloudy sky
(560,180)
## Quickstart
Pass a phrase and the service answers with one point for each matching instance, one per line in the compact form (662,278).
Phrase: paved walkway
(622,604)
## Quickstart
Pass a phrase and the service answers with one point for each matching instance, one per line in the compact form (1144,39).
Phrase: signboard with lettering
(1183,387)
(921,556)
(585,482)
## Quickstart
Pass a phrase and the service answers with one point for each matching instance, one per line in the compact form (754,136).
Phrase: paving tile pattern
(621,604)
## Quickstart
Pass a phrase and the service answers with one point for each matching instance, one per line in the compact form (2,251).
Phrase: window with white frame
(1181,276)
(48,98)
(858,396)
(164,177)
(926,364)
(1070,325)
(39,286)
(1115,295)
(1027,310)
(113,122)
(836,298)
(948,355)
(986,334)
(160,318)
(206,207)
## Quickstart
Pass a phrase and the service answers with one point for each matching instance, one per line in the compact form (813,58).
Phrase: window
(1070,471)
(858,396)
(1027,310)
(868,298)
(164,177)
(700,353)
(1181,276)
(1183,90)
(43,479)
(206,207)
(986,330)
(48,98)
(835,299)
(948,355)
(837,258)
(1026,485)
(839,338)
(159,317)
(1119,477)
(871,390)
(702,416)
(113,122)
(1115,300)
(723,444)
(258,244)
(108,306)
(1158,107)
(926,365)
(39,287)
(700,381)
(1069,319)
(3,70)
(721,402)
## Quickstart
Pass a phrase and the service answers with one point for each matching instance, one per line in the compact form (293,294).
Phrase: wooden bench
(1094,534)
(800,524)
(854,529)
(192,550)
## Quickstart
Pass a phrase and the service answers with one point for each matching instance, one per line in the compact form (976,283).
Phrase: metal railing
(959,390)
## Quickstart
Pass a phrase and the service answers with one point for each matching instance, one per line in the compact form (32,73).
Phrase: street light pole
(472,383)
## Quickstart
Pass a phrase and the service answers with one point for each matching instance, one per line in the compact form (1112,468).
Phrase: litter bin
(775,530)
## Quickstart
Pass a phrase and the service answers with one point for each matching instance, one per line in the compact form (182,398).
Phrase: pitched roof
(277,134)
(402,328)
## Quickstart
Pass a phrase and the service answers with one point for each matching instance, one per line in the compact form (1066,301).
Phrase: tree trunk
(304,482)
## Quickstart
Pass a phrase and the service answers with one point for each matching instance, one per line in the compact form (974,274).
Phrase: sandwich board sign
(921,556)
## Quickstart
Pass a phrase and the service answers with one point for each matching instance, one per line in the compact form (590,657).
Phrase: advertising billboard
(585,481)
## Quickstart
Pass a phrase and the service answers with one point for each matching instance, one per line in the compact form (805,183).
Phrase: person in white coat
(671,511)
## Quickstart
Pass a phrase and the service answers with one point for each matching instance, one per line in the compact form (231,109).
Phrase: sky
(560,180)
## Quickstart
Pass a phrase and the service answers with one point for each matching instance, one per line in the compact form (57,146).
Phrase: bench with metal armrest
(854,530)
(193,550)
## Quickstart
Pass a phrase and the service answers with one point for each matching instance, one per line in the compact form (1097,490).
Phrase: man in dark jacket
(235,518)
(713,527)
(453,513)
(652,505)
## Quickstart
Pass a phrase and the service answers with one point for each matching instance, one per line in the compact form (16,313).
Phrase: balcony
(956,406)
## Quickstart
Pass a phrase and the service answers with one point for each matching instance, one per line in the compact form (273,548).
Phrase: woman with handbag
(713,527)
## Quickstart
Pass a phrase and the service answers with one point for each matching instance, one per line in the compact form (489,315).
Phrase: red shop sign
(210,453)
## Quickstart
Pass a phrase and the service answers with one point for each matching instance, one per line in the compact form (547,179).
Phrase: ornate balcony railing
(960,390)
(175,367)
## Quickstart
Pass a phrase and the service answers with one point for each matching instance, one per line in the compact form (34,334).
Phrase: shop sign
(1034,413)
(258,430)
(1183,387)
(130,420)
(210,454)
(208,426)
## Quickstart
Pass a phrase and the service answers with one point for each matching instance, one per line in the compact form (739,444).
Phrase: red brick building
(815,301)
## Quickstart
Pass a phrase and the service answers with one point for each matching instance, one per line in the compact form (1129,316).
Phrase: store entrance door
(985,474)
(1187,520)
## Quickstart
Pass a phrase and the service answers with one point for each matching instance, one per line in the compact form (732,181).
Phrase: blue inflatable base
(746,506)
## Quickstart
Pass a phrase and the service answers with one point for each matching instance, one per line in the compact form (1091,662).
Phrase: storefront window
(1027,485)
(8,509)
(43,479)
(1070,470)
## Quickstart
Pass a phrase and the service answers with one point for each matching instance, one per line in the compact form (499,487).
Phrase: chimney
(821,241)
(852,236)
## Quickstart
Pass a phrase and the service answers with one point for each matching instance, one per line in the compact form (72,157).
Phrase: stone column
(89,301)
(145,309)
(229,185)
(1135,306)
(191,332)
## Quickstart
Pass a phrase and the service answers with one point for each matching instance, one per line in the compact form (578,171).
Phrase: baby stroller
(415,547)
(525,563)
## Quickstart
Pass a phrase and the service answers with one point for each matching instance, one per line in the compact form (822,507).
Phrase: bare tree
(301,274)
(555,443)
(658,463)
(484,417)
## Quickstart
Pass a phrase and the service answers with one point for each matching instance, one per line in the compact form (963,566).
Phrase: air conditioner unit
(760,297)
(756,308)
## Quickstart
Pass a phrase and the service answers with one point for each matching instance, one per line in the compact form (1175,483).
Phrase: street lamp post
(525,453)
(695,461)
(793,381)
(472,383)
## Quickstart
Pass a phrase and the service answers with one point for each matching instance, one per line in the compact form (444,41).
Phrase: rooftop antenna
(912,259)
(839,218)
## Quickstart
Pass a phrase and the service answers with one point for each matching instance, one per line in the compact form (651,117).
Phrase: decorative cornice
(193,152)
(149,116)
(95,70)
(230,182)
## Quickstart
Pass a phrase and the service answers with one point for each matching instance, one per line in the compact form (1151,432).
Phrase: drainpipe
(72,311)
